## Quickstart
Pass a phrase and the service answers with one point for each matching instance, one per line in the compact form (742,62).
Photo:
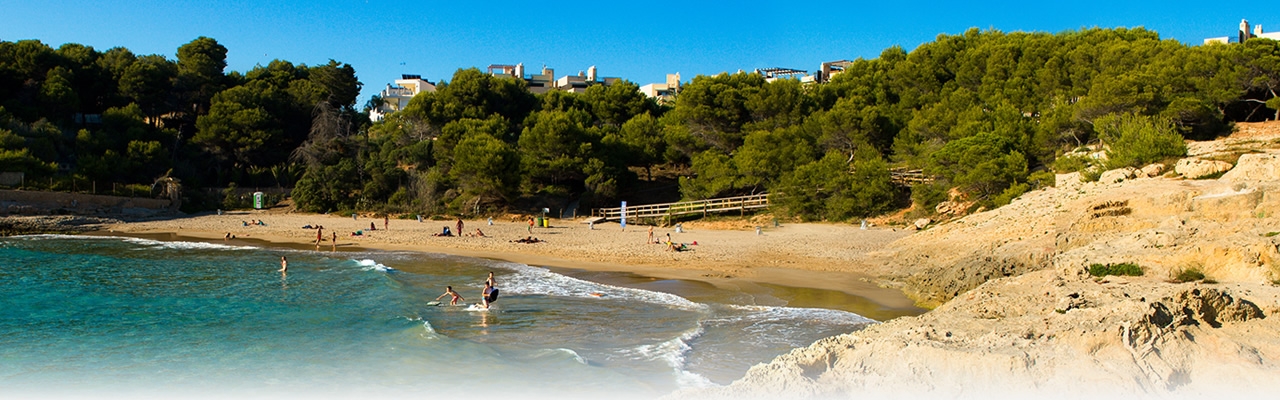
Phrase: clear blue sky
(638,42)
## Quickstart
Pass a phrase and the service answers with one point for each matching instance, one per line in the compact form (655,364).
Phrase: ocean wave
(814,314)
(675,353)
(185,245)
(560,352)
(371,265)
(541,281)
(151,243)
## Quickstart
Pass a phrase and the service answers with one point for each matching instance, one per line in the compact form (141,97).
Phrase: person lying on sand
(448,291)
(529,239)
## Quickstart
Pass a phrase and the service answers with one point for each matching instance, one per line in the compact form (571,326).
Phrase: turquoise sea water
(123,317)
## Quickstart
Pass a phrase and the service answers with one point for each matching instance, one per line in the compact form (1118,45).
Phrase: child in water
(448,291)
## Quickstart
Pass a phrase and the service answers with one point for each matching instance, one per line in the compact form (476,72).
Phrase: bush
(1072,163)
(1134,140)
(1121,269)
(1188,275)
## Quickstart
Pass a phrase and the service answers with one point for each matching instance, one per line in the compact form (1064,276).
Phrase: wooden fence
(727,204)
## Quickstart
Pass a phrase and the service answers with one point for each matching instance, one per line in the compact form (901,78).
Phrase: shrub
(1188,275)
(1134,140)
(1091,175)
(1072,163)
(1121,269)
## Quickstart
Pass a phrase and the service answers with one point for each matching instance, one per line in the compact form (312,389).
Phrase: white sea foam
(675,353)
(560,352)
(371,265)
(814,314)
(142,242)
(541,281)
(185,245)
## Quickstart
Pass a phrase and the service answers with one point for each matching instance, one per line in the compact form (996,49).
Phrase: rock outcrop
(1018,316)
(1194,168)
(1045,335)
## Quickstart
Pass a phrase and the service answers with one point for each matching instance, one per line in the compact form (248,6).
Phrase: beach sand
(797,265)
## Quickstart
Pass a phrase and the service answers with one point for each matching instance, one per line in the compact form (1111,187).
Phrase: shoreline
(583,253)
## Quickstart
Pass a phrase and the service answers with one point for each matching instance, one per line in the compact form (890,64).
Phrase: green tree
(1135,140)
(200,71)
(486,167)
(148,81)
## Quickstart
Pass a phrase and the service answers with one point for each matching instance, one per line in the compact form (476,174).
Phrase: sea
(121,317)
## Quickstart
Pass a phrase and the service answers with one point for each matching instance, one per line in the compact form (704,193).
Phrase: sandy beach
(803,265)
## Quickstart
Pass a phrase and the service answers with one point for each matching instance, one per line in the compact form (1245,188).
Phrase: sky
(637,41)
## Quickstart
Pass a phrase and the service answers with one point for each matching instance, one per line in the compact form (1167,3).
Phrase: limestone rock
(922,223)
(1254,168)
(1194,168)
(1151,171)
(1117,175)
(952,207)
(1071,181)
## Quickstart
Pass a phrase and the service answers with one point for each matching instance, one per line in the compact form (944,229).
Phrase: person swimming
(448,291)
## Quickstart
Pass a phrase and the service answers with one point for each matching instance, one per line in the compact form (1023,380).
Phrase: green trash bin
(258,200)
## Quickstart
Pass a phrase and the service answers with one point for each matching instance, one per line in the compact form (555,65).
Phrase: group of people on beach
(487,296)
(671,246)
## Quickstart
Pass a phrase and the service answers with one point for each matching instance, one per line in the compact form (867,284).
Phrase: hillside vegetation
(987,112)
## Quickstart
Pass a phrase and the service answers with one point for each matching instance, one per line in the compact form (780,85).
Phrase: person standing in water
(284,264)
(335,241)
(490,295)
(491,281)
(448,291)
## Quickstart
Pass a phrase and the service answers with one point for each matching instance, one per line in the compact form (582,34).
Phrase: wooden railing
(727,204)
(908,178)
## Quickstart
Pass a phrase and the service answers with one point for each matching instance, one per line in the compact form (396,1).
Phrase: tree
(554,148)
(617,103)
(200,76)
(984,164)
(339,82)
(642,136)
(148,81)
(486,167)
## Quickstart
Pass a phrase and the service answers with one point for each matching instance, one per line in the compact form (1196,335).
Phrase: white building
(1244,34)
(663,92)
(396,98)
(547,81)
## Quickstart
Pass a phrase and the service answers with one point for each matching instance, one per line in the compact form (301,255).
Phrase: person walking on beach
(335,241)
(650,240)
(530,225)
(448,291)
(284,264)
(459,230)
(386,221)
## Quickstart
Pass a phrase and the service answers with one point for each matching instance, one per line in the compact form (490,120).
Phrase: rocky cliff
(1018,315)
